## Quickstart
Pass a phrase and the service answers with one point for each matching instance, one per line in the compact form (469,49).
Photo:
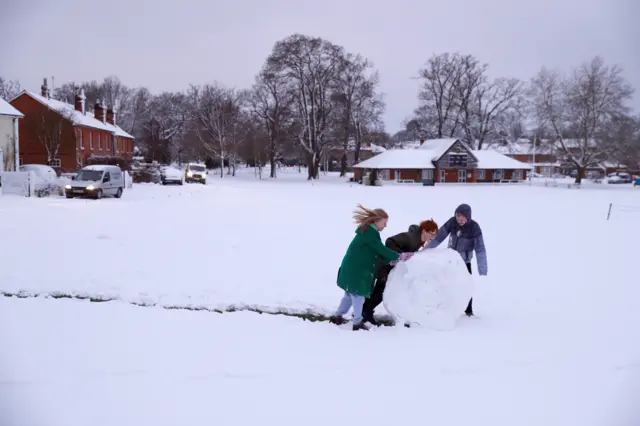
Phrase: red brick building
(65,136)
(443,161)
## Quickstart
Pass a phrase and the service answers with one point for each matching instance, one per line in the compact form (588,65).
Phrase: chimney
(44,89)
(111,115)
(98,111)
(80,102)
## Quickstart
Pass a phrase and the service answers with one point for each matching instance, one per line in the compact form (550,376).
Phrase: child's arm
(481,253)
(387,254)
(443,232)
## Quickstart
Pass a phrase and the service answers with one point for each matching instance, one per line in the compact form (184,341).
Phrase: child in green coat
(360,263)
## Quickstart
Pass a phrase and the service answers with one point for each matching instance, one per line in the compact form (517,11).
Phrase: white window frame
(427,174)
(498,174)
(90,140)
(443,176)
(480,174)
(462,175)
(398,175)
(55,163)
(384,174)
(517,175)
(457,154)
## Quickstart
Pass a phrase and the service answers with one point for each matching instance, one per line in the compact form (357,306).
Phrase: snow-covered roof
(438,147)
(7,109)
(99,167)
(399,159)
(79,119)
(495,160)
(420,158)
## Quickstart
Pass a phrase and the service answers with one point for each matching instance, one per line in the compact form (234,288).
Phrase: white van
(97,181)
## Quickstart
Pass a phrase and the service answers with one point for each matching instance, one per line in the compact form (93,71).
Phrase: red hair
(429,226)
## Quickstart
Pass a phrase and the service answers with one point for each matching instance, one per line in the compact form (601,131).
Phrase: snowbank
(432,289)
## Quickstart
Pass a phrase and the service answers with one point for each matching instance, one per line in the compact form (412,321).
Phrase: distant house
(542,159)
(9,136)
(65,136)
(549,160)
(367,150)
(443,161)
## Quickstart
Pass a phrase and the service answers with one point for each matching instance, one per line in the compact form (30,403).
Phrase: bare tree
(271,102)
(312,66)
(52,128)
(165,124)
(215,109)
(448,84)
(9,89)
(489,103)
(578,110)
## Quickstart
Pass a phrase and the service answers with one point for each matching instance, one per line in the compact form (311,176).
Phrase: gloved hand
(405,256)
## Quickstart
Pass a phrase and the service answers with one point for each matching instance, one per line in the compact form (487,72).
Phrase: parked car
(170,174)
(619,177)
(47,183)
(195,173)
(97,181)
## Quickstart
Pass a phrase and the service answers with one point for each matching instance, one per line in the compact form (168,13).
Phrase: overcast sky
(167,45)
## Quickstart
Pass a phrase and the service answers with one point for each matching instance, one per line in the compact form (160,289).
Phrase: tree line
(312,96)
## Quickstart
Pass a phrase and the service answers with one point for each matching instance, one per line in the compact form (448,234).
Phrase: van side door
(107,188)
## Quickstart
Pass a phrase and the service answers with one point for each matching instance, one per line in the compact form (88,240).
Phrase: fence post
(609,212)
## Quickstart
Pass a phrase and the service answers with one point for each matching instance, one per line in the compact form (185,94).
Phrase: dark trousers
(469,309)
(371,303)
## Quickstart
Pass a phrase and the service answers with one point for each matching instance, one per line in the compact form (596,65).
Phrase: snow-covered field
(556,341)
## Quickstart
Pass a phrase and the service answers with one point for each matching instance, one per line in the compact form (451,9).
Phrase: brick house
(442,161)
(543,159)
(66,136)
(367,150)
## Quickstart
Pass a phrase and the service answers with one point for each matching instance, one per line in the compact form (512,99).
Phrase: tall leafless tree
(579,108)
(448,82)
(313,66)
(215,110)
(271,102)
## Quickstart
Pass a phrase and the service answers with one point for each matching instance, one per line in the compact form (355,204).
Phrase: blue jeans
(349,300)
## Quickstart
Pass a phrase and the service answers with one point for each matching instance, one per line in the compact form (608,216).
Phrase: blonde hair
(365,217)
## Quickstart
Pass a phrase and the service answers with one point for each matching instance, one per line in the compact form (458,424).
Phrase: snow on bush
(431,289)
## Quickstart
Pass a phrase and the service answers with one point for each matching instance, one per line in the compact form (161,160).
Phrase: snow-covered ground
(555,343)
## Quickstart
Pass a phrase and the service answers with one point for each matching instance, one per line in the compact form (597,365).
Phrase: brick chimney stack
(111,115)
(98,111)
(44,89)
(80,102)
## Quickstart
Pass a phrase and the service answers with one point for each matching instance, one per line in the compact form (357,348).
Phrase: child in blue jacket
(465,236)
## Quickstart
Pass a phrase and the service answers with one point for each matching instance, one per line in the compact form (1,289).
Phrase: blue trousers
(351,300)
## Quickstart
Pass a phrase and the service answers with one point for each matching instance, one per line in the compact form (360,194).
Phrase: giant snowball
(432,289)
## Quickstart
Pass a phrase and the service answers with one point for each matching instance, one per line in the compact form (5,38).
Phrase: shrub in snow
(431,289)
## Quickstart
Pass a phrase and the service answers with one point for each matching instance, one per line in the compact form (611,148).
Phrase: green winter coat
(360,263)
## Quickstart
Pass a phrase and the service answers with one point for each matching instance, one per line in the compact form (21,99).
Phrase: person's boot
(361,326)
(337,320)
(469,311)
(370,319)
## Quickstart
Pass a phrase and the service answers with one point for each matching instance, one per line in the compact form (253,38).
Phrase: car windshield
(196,168)
(92,175)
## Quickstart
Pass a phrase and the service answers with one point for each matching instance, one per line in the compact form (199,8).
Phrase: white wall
(7,142)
